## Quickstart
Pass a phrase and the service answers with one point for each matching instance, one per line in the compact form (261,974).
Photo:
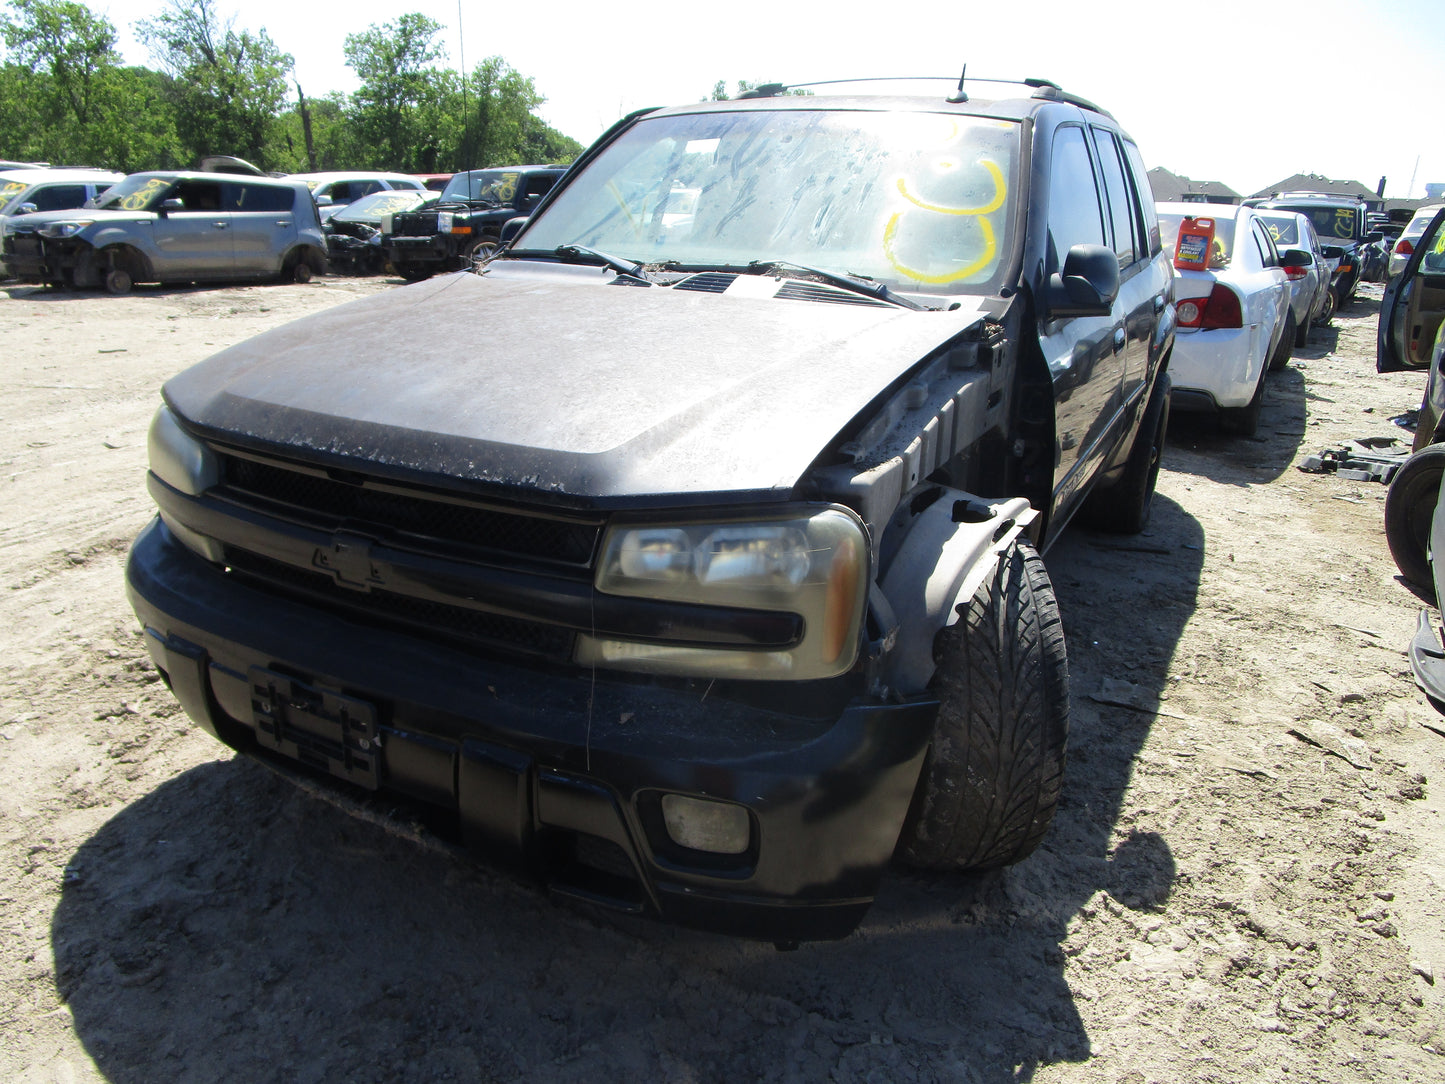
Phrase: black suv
(1340,222)
(465,224)
(690,556)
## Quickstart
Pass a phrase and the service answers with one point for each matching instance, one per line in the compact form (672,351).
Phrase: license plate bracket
(327,730)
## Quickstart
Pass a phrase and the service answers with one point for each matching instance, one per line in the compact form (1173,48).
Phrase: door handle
(219,225)
(283,222)
(1119,339)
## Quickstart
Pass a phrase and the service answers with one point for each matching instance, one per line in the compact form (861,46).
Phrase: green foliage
(227,87)
(66,98)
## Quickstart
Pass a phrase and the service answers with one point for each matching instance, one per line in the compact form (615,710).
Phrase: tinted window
(1140,177)
(58,197)
(198,195)
(259,197)
(1120,197)
(1074,216)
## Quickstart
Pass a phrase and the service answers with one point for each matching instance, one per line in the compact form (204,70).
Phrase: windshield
(9,193)
(919,201)
(1331,223)
(1221,252)
(138,192)
(371,208)
(482,185)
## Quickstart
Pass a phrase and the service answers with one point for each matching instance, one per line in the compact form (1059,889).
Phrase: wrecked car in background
(690,558)
(173,227)
(354,233)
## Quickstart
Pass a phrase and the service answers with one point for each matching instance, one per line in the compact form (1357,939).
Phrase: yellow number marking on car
(138,199)
(990,242)
(508,187)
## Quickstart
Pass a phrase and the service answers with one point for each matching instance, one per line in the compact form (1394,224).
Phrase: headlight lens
(63,229)
(814,565)
(444,222)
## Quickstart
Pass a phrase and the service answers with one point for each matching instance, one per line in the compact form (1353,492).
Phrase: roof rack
(1045,89)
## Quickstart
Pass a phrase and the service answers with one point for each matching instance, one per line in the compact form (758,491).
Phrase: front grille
(365,506)
(422,225)
(388,609)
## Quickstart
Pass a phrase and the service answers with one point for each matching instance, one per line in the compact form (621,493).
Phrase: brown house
(1168,186)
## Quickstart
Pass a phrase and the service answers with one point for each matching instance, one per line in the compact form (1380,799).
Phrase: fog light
(702,825)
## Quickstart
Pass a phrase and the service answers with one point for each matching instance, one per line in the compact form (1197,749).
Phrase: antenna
(467,147)
(960,96)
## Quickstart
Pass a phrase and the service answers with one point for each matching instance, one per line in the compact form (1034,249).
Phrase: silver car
(1311,299)
(173,227)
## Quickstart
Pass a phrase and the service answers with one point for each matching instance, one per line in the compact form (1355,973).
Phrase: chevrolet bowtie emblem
(348,560)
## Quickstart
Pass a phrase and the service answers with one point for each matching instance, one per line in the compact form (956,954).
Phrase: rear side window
(1120,198)
(1140,177)
(1074,214)
(259,197)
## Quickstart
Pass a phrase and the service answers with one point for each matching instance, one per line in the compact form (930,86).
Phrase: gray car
(1311,299)
(173,227)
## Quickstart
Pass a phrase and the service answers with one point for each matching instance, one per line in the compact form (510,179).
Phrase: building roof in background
(1168,186)
(1313,182)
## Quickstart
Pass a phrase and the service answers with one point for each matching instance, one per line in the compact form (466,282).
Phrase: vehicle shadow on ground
(1198,445)
(229,926)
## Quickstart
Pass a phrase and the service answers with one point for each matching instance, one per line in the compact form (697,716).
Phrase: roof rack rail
(1043,88)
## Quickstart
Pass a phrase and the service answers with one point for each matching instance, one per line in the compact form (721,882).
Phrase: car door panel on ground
(195,239)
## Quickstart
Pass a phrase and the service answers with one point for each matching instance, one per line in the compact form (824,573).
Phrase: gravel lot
(1244,882)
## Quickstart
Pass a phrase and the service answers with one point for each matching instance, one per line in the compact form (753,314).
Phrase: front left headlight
(813,564)
(59,230)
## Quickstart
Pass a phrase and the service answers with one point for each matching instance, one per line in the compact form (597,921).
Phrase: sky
(1249,94)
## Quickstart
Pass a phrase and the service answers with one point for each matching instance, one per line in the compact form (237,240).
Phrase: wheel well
(308,254)
(128,259)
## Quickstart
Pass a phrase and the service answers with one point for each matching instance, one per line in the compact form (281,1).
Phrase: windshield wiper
(583,254)
(857,284)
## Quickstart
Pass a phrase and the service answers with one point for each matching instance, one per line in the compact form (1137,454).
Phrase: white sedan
(1235,321)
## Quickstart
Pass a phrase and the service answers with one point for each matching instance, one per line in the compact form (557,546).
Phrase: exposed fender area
(951,548)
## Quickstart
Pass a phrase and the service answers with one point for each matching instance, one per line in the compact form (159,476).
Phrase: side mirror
(1332,252)
(1373,236)
(1295,257)
(169,205)
(1087,285)
(26,209)
(512,227)
(324,201)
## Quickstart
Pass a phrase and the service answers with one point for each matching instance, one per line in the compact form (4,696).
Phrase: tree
(398,85)
(64,40)
(227,87)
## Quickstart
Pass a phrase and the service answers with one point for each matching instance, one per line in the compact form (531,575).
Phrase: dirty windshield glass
(482,186)
(1221,251)
(139,192)
(10,190)
(920,201)
(1331,223)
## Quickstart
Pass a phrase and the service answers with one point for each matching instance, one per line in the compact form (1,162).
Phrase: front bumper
(441,249)
(552,770)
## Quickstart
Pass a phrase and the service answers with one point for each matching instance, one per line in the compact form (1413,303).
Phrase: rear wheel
(1302,335)
(1409,511)
(991,780)
(1124,507)
(1244,421)
(1328,312)
(1285,349)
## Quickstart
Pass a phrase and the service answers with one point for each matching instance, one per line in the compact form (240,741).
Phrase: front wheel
(118,281)
(413,272)
(1409,512)
(991,780)
(480,252)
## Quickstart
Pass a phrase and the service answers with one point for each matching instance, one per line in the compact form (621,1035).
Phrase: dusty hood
(561,383)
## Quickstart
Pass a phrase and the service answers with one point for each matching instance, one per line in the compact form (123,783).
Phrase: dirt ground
(1244,882)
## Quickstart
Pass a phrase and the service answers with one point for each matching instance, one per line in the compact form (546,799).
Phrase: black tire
(301,273)
(1284,350)
(1302,335)
(1409,510)
(482,249)
(414,272)
(991,780)
(1124,507)
(1244,421)
(1328,312)
(118,281)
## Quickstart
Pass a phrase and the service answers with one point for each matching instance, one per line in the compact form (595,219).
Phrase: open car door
(1414,305)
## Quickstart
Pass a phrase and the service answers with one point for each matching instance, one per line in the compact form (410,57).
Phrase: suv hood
(40,218)
(562,383)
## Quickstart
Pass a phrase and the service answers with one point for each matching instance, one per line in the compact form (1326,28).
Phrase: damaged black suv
(688,554)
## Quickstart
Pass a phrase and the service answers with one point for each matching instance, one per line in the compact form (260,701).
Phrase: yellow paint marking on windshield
(138,199)
(990,241)
(11,188)
(999,191)
(622,202)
